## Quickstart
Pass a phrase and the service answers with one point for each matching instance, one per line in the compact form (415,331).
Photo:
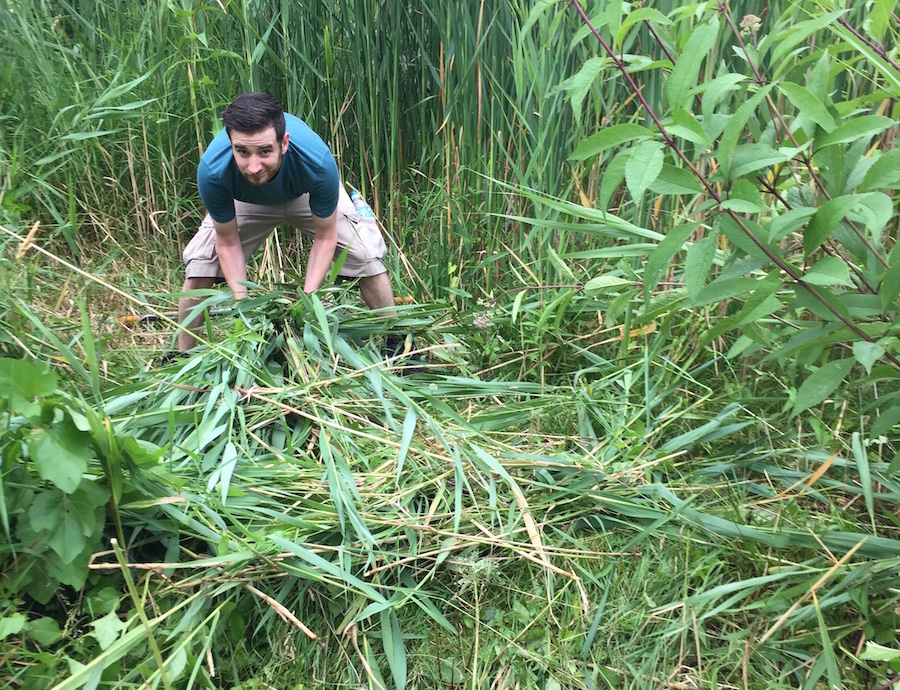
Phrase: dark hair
(253,112)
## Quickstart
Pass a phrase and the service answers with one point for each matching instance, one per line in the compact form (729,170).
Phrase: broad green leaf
(826,220)
(884,173)
(536,11)
(81,674)
(644,14)
(749,158)
(743,206)
(108,629)
(890,284)
(517,305)
(84,136)
(578,85)
(867,353)
(601,284)
(877,652)
(46,511)
(61,454)
(808,105)
(68,540)
(715,88)
(612,178)
(722,289)
(45,631)
(699,260)
(788,222)
(684,125)
(643,167)
(879,17)
(610,137)
(614,11)
(744,235)
(561,265)
(21,382)
(659,259)
(828,658)
(888,417)
(675,180)
(754,311)
(735,127)
(820,384)
(226,469)
(12,625)
(744,190)
(875,209)
(829,270)
(686,73)
(856,128)
(805,299)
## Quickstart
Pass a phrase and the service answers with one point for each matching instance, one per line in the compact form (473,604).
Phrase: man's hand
(231,256)
(322,253)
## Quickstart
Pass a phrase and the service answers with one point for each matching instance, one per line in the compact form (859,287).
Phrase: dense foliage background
(650,256)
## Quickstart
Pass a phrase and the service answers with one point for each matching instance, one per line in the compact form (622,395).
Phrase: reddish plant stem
(874,46)
(659,41)
(670,141)
(896,679)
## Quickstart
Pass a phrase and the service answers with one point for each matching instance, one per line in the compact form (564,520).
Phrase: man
(263,169)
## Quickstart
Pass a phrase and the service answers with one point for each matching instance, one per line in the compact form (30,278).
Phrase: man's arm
(231,256)
(322,253)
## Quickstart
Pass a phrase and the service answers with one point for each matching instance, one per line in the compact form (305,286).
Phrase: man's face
(258,156)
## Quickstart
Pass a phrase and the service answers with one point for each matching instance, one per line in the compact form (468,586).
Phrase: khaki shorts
(360,236)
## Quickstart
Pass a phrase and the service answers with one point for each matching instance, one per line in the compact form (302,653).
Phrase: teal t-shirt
(307,167)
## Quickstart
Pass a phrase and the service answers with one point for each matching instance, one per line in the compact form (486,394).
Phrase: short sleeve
(218,200)
(323,196)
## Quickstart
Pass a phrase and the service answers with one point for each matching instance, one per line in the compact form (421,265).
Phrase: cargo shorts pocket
(363,237)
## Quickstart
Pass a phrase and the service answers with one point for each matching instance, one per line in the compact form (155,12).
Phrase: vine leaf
(21,382)
(108,629)
(61,454)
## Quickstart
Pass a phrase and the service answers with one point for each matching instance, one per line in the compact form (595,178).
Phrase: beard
(266,175)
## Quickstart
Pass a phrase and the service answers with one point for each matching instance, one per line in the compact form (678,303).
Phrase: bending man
(263,169)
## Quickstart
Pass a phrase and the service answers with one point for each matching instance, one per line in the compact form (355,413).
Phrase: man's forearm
(320,257)
(234,267)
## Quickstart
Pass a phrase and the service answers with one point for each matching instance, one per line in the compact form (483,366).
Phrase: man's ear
(284,143)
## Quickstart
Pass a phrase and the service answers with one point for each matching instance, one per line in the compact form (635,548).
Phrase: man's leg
(202,270)
(186,336)
(376,291)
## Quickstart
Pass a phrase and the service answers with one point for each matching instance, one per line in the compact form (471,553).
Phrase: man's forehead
(254,140)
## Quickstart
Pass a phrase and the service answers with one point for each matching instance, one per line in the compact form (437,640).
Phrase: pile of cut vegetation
(282,507)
